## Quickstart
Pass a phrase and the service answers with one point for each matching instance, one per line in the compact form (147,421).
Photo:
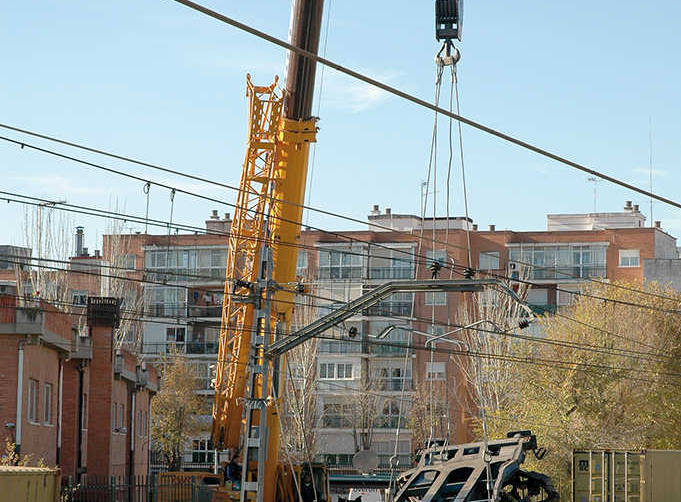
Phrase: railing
(394,384)
(137,489)
(191,348)
(539,272)
(391,273)
(389,309)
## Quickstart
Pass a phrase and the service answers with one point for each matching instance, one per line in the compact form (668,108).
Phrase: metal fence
(137,489)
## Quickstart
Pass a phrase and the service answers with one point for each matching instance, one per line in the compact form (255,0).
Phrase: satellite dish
(365,461)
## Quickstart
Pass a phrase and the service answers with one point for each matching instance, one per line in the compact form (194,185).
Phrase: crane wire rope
(421,102)
(455,80)
(435,264)
(394,459)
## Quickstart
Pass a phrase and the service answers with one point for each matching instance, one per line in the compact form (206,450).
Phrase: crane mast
(263,253)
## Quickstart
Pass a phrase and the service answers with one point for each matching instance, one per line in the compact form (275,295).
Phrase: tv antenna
(595,180)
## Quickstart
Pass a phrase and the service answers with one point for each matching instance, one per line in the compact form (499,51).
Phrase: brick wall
(99,406)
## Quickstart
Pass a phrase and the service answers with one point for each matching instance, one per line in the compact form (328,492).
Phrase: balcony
(205,311)
(394,384)
(389,309)
(188,348)
(391,273)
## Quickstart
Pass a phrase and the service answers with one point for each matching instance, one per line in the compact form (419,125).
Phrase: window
(569,261)
(537,296)
(129,261)
(630,257)
(389,415)
(331,371)
(489,260)
(47,403)
(175,334)
(79,297)
(337,415)
(488,298)
(121,417)
(436,298)
(435,371)
(341,263)
(344,371)
(301,263)
(391,263)
(33,400)
(114,416)
(83,418)
(202,451)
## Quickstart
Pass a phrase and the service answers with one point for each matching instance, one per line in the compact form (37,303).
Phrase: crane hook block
(448,19)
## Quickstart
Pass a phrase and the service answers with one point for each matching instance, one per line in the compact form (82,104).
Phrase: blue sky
(156,81)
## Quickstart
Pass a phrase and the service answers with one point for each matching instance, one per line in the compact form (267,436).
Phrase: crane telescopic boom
(262,252)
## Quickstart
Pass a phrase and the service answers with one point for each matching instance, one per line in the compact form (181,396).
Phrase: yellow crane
(262,253)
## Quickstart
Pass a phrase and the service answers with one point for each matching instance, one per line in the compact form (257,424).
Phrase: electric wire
(409,97)
(449,245)
(568,365)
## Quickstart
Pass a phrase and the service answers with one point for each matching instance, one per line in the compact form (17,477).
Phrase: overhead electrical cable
(539,361)
(409,97)
(370,223)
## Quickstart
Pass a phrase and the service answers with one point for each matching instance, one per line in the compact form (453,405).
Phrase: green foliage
(175,410)
(621,392)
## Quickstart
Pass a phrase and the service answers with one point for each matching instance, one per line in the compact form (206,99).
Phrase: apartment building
(68,397)
(181,284)
(366,389)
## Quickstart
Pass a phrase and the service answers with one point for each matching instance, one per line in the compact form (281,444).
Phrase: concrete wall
(662,271)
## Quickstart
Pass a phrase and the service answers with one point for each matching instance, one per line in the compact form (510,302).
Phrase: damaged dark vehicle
(460,473)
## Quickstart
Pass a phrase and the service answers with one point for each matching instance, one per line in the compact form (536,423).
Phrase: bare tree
(300,399)
(117,283)
(490,380)
(47,233)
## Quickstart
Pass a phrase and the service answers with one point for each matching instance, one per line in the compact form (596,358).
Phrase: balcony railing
(389,309)
(539,272)
(191,348)
(394,384)
(391,273)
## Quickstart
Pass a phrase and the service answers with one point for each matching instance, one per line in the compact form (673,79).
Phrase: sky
(153,80)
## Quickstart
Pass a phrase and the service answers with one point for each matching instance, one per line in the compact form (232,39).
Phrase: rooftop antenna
(595,180)
(650,164)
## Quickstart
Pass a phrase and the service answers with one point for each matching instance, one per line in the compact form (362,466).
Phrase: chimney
(636,208)
(627,205)
(375,211)
(84,252)
(475,227)
(658,224)
(227,216)
(214,216)
(97,255)
(388,211)
(492,228)
(79,241)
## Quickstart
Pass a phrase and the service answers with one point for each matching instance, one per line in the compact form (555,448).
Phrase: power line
(190,228)
(554,363)
(409,97)
(130,217)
